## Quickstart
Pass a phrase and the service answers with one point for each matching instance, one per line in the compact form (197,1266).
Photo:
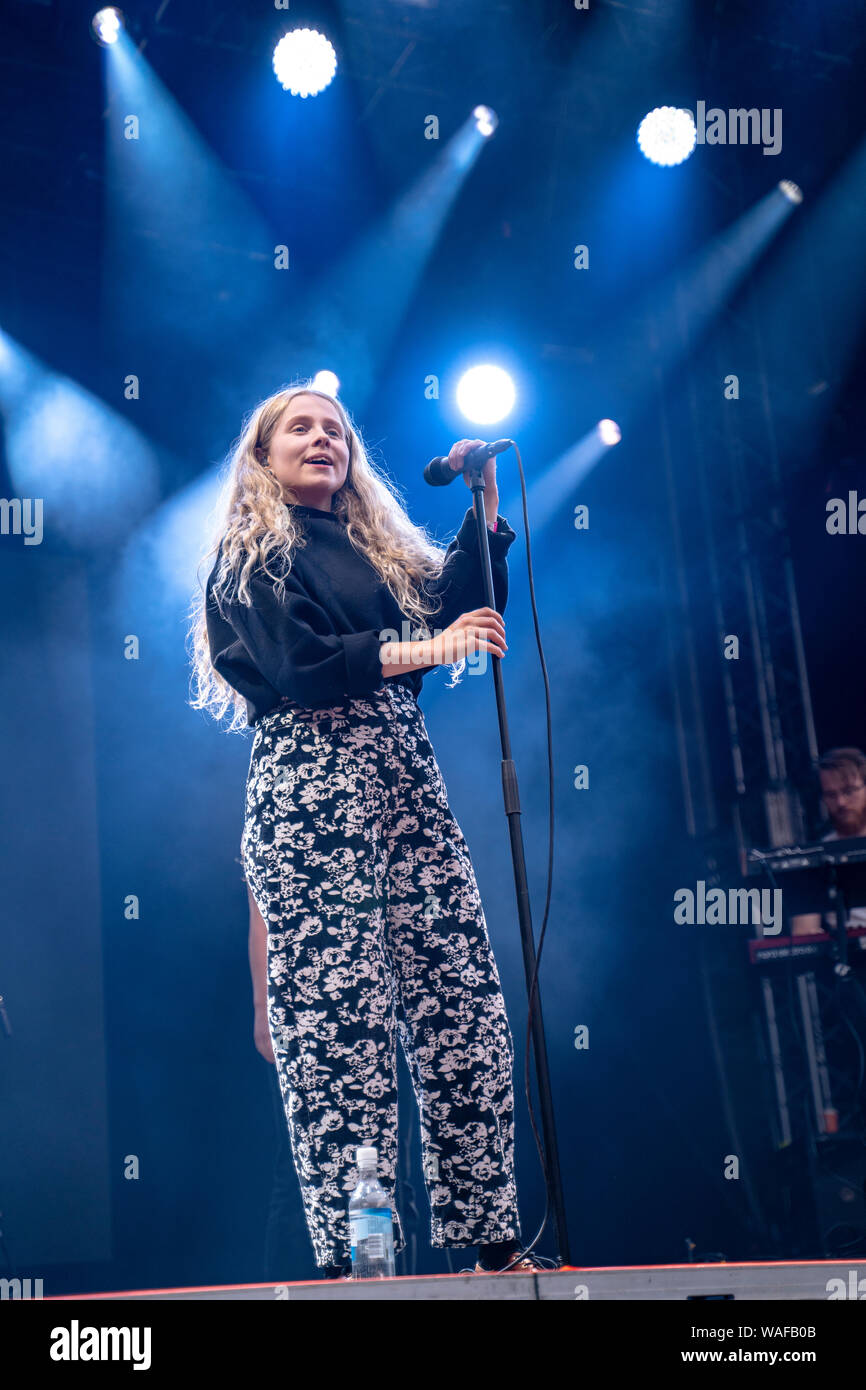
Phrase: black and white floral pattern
(376,929)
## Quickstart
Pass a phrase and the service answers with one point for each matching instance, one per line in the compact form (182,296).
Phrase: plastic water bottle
(371,1230)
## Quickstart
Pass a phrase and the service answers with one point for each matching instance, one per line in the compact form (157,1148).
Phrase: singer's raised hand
(460,450)
(488,473)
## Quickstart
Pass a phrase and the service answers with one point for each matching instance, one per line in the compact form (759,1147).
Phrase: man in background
(842,774)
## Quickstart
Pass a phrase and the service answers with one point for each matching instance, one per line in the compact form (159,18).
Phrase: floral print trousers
(376,929)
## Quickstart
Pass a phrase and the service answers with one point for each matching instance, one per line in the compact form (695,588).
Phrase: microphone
(439,472)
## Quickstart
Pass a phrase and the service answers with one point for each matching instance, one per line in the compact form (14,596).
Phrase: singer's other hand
(481,630)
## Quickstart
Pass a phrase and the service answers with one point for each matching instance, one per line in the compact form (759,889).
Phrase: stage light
(304,62)
(485,394)
(328,382)
(106,25)
(609,432)
(667,135)
(93,469)
(486,120)
(792,192)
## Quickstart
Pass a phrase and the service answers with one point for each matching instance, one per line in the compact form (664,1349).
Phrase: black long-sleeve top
(320,644)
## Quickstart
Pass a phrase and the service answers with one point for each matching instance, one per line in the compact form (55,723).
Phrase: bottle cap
(365,1156)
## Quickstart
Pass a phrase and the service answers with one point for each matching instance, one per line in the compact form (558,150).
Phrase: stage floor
(794,1280)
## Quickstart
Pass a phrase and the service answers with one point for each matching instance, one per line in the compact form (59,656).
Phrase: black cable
(534,984)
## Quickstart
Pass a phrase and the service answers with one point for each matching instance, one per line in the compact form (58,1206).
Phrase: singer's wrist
(399,657)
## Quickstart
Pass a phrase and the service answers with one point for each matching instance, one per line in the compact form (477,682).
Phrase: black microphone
(439,472)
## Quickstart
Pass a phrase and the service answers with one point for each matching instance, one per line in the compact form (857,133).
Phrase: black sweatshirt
(320,645)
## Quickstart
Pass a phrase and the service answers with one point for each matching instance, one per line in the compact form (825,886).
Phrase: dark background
(134,1037)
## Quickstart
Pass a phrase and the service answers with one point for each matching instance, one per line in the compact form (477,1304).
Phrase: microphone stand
(511,797)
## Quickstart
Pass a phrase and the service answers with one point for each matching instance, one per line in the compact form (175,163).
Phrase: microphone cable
(533,990)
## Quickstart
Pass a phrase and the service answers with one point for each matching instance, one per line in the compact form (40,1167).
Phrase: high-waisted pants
(376,928)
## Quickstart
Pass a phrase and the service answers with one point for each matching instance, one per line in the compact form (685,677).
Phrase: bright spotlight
(304,62)
(609,432)
(667,135)
(106,25)
(485,394)
(792,192)
(486,120)
(328,382)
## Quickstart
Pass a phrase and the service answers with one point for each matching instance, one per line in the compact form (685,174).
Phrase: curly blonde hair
(255,527)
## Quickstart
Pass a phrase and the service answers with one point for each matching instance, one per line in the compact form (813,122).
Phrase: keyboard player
(842,774)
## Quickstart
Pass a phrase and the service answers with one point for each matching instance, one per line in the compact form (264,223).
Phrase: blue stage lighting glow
(667,135)
(106,25)
(92,469)
(792,191)
(326,381)
(485,394)
(304,62)
(486,120)
(609,432)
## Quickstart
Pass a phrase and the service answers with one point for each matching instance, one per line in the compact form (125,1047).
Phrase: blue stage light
(304,62)
(609,432)
(486,120)
(792,191)
(485,394)
(328,382)
(106,25)
(667,135)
